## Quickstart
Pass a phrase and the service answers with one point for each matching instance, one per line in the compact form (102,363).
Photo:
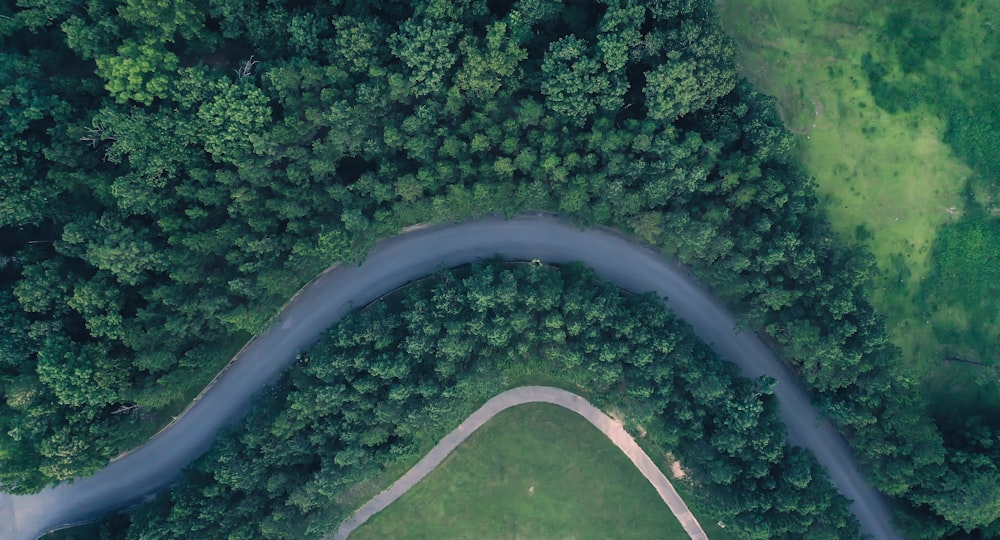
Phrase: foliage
(183,205)
(403,372)
(138,72)
(969,251)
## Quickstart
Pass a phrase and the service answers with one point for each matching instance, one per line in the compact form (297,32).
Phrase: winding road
(512,398)
(417,252)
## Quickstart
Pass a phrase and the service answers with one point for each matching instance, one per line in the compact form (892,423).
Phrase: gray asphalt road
(512,398)
(393,263)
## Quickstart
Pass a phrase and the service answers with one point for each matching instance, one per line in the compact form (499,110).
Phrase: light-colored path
(512,398)
(393,263)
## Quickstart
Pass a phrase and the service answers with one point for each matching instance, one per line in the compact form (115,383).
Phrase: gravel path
(512,398)
(393,263)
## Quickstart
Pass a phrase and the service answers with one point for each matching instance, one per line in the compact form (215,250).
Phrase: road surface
(393,263)
(512,398)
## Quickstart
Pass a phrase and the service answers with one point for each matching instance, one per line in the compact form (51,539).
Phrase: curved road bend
(512,398)
(394,262)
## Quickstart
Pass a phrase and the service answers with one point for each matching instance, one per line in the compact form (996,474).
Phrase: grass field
(536,471)
(887,102)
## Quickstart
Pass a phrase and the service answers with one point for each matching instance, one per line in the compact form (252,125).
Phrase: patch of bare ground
(676,470)
(361,491)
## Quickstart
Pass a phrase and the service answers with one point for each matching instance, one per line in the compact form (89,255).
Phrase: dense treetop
(173,172)
(390,380)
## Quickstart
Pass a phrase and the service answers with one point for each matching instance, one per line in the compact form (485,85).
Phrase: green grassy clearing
(938,54)
(895,179)
(536,471)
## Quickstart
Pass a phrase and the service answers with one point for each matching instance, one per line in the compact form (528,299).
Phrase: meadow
(892,111)
(536,471)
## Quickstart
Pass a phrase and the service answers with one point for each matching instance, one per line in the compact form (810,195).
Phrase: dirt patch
(358,493)
(619,420)
(676,470)
(616,415)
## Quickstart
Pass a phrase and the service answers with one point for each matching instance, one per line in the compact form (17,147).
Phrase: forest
(174,171)
(403,372)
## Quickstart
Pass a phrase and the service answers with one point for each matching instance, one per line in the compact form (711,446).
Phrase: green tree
(427,46)
(232,120)
(140,71)
(575,84)
(162,20)
(484,69)
(673,90)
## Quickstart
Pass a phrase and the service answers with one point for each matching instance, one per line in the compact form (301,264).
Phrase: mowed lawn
(535,471)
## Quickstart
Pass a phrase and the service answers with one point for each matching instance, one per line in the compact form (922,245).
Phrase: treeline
(389,381)
(173,172)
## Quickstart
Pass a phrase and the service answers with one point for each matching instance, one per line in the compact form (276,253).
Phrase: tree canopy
(390,380)
(173,174)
